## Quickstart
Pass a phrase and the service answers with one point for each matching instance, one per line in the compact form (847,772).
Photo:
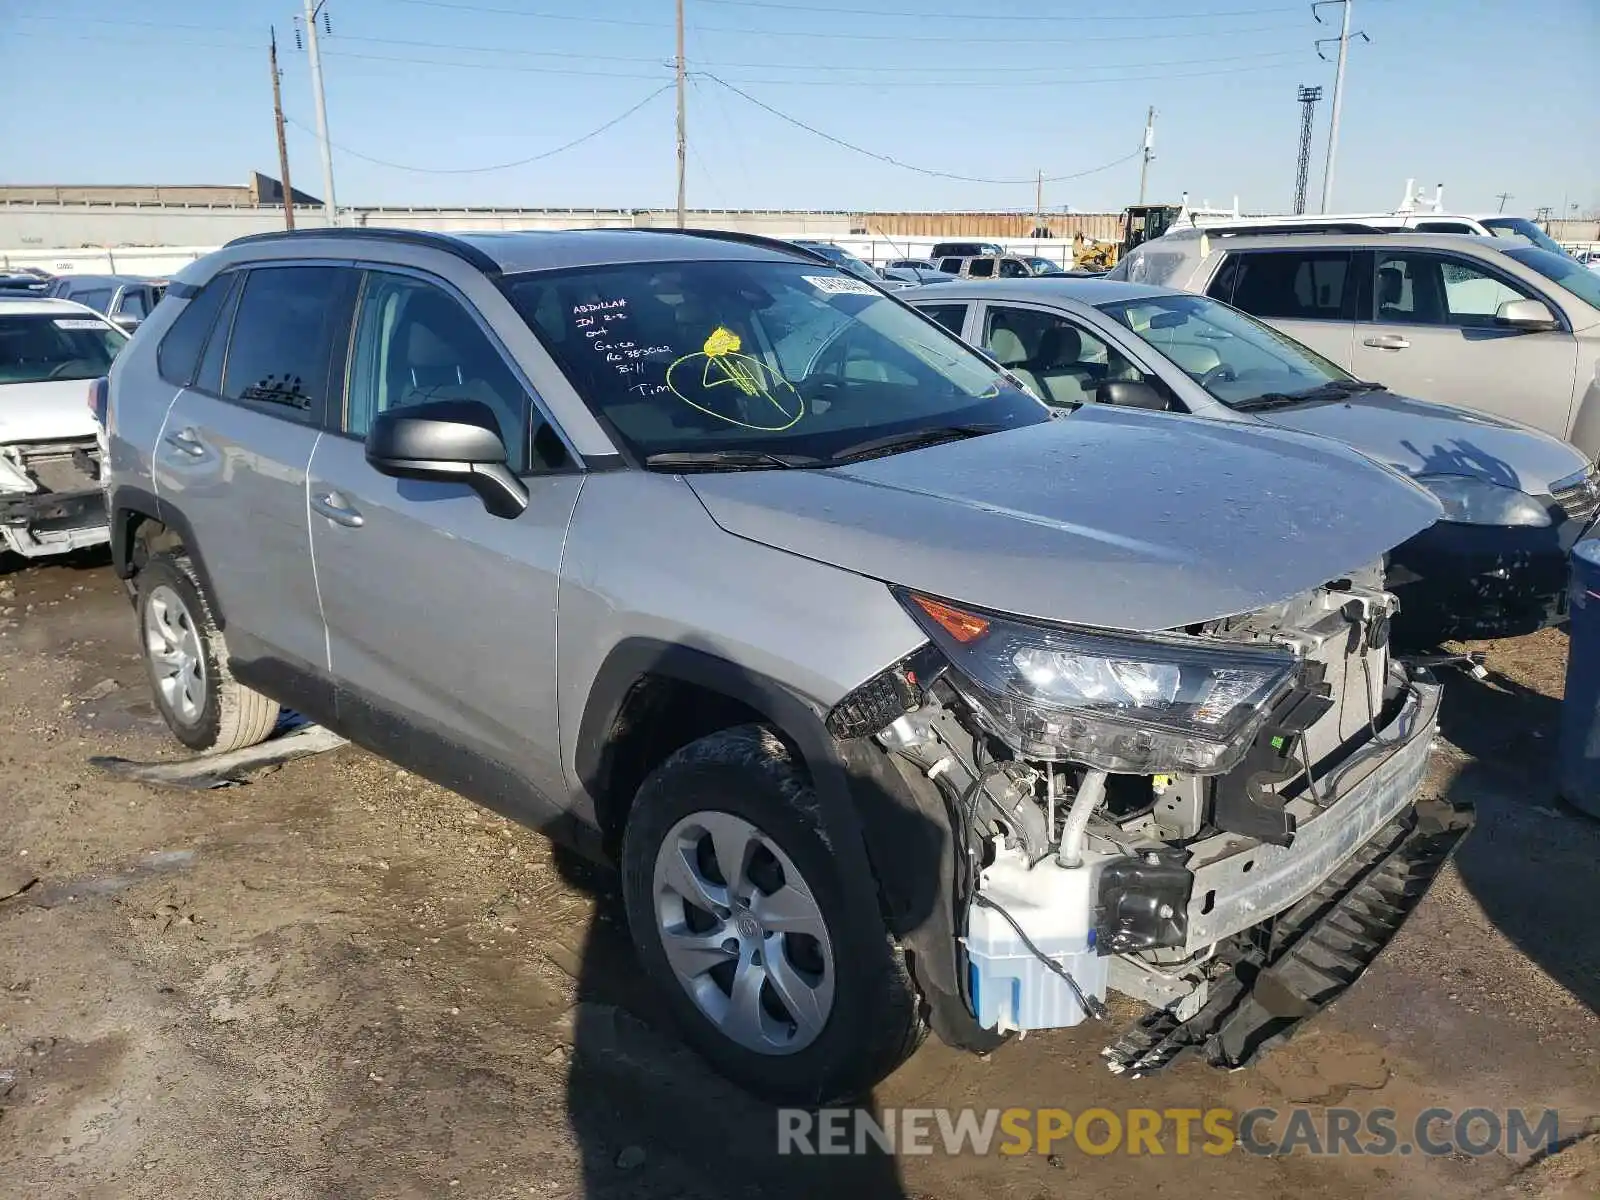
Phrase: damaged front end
(51,501)
(1220,821)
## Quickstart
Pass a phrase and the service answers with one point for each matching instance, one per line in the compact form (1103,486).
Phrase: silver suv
(902,702)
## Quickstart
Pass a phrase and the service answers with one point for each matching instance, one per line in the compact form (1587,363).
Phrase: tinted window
(773,356)
(133,304)
(278,355)
(35,347)
(951,265)
(1430,289)
(179,352)
(1444,227)
(416,344)
(1226,278)
(1013,268)
(1563,269)
(981,268)
(1293,284)
(209,377)
(98,299)
(951,316)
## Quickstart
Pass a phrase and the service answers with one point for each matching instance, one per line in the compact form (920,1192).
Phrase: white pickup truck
(53,356)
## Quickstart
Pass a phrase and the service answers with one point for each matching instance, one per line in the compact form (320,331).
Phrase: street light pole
(683,137)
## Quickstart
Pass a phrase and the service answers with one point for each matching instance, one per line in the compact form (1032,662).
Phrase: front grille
(1581,501)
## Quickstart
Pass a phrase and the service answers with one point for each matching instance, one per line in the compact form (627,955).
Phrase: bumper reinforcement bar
(1270,978)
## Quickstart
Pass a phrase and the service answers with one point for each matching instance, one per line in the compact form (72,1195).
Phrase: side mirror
(1526,314)
(1131,393)
(126,322)
(449,441)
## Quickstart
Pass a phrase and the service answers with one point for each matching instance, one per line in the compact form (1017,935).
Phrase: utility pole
(283,146)
(1149,149)
(1038,205)
(683,137)
(329,205)
(1302,170)
(1338,90)
(1503,197)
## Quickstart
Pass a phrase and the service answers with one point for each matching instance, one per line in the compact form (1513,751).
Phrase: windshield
(1567,271)
(775,357)
(842,259)
(1501,226)
(35,347)
(1234,357)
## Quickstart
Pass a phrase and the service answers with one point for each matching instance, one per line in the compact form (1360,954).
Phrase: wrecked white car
(54,356)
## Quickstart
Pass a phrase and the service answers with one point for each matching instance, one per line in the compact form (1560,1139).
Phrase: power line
(990,17)
(521,162)
(892,161)
(472,66)
(1004,83)
(129,21)
(831,35)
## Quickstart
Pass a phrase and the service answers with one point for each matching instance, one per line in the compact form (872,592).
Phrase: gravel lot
(341,981)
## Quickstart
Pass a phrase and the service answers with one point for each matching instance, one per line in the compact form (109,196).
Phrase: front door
(1431,333)
(442,618)
(232,460)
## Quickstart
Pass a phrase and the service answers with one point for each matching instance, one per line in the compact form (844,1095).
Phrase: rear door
(232,459)
(1308,294)
(442,618)
(1430,332)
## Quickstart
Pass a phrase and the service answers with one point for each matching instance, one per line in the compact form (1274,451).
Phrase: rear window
(39,347)
(179,352)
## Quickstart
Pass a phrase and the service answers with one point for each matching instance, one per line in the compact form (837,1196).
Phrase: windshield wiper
(725,460)
(912,440)
(1332,390)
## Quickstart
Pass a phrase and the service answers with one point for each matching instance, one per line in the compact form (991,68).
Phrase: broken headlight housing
(1124,703)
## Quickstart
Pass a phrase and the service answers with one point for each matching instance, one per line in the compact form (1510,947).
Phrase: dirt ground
(340,981)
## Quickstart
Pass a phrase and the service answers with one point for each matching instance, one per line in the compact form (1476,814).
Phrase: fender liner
(891,834)
(124,504)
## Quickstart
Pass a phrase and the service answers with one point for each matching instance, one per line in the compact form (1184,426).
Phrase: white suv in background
(1493,324)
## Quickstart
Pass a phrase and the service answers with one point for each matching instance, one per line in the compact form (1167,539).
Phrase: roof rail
(749,239)
(1296,227)
(381,233)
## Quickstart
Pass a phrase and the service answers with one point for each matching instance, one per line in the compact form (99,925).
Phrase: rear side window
(950,265)
(98,299)
(951,316)
(1226,279)
(279,352)
(1444,227)
(1294,285)
(178,355)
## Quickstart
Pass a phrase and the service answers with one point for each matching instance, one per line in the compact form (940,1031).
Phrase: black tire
(873,1024)
(231,715)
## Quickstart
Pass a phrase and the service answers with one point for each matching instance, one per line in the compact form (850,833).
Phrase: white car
(54,356)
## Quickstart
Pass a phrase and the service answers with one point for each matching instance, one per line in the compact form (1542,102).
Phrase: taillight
(99,399)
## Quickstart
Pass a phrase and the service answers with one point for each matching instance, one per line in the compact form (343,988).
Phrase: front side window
(282,331)
(1237,359)
(1292,284)
(415,344)
(98,299)
(133,304)
(1562,269)
(981,268)
(1415,288)
(1013,268)
(773,357)
(38,347)
(1062,362)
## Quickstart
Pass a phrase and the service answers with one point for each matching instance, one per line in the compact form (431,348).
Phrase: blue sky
(1483,95)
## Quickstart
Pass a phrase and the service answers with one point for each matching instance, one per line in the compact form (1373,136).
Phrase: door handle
(1387,341)
(333,506)
(188,441)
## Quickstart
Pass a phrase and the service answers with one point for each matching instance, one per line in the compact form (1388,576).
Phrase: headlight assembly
(1469,501)
(1119,703)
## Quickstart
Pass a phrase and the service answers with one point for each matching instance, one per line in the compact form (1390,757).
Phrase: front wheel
(187,661)
(739,915)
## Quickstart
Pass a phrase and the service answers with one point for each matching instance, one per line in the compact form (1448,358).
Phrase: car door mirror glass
(1525,314)
(448,441)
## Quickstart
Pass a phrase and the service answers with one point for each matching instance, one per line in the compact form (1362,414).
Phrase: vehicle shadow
(90,558)
(651,1118)
(1530,862)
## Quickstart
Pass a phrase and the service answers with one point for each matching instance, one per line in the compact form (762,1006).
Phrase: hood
(42,412)
(1111,518)
(1416,438)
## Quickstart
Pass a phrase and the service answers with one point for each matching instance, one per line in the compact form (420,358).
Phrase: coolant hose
(1090,793)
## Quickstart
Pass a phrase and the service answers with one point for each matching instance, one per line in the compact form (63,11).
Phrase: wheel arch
(136,517)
